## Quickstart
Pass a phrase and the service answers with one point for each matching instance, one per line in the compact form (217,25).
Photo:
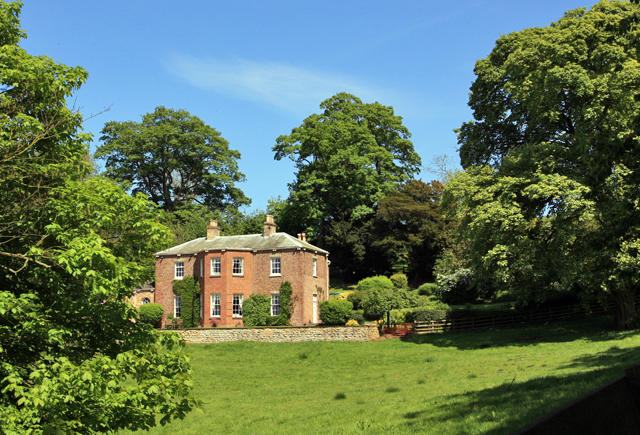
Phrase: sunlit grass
(451,383)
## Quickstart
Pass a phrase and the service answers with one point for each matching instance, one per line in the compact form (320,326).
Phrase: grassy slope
(476,382)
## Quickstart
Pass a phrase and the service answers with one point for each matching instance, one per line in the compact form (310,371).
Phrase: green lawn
(489,382)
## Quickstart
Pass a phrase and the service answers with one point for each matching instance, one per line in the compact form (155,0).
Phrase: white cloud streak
(293,89)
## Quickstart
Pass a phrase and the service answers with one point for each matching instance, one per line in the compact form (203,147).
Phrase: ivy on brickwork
(189,290)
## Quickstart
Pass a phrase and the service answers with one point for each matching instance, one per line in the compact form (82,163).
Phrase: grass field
(487,382)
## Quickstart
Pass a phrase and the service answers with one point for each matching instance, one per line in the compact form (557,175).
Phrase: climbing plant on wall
(189,290)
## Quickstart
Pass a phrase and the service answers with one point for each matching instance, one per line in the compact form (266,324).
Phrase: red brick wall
(165,275)
(296,267)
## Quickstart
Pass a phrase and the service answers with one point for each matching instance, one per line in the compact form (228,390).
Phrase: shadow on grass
(593,328)
(505,408)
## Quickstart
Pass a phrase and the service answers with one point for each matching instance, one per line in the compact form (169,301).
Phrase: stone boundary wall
(280,335)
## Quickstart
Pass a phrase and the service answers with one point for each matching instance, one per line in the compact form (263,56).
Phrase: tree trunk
(625,307)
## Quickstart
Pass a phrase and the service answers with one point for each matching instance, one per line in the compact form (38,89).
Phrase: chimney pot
(304,237)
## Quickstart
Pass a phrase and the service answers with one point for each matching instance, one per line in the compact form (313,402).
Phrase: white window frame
(202,267)
(275,304)
(146,301)
(276,266)
(238,261)
(315,267)
(179,269)
(177,307)
(215,305)
(201,305)
(216,263)
(236,307)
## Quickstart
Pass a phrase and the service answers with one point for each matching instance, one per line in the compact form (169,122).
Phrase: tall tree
(174,158)
(558,107)
(347,158)
(408,229)
(71,249)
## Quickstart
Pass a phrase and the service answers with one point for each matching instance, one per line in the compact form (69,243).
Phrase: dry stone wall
(279,335)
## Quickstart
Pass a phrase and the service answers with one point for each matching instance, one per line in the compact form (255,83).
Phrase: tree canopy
(556,115)
(174,158)
(72,357)
(347,158)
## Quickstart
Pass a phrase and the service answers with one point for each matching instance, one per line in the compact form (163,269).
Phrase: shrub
(352,322)
(151,313)
(458,287)
(399,280)
(334,312)
(189,290)
(358,316)
(374,282)
(286,306)
(256,311)
(430,289)
(356,299)
(425,315)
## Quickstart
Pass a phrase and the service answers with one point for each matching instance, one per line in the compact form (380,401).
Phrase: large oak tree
(557,117)
(174,158)
(347,158)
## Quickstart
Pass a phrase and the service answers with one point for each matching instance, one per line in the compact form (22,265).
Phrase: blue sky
(254,70)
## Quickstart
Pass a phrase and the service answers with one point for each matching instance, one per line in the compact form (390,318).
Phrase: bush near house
(256,311)
(151,313)
(333,312)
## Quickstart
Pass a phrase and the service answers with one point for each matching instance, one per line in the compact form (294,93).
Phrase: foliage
(380,300)
(409,230)
(334,312)
(457,288)
(287,303)
(556,121)
(174,158)
(347,158)
(425,315)
(356,298)
(430,289)
(358,316)
(352,322)
(189,290)
(151,313)
(71,249)
(399,280)
(256,311)
(374,282)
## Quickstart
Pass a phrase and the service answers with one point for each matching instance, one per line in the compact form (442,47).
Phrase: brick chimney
(213,230)
(269,226)
(304,237)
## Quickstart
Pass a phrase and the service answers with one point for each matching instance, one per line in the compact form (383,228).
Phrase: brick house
(232,268)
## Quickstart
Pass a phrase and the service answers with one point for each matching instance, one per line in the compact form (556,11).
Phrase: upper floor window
(315,267)
(215,266)
(275,304)
(179,269)
(202,267)
(146,301)
(238,266)
(275,266)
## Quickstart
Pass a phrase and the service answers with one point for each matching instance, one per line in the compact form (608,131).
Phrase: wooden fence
(541,315)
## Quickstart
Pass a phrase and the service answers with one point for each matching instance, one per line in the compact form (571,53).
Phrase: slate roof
(248,242)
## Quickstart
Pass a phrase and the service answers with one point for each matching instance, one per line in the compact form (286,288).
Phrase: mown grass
(488,382)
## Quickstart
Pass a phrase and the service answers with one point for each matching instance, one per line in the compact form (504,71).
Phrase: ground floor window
(237,305)
(215,305)
(177,306)
(275,304)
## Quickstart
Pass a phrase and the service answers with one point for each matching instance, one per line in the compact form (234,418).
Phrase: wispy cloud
(287,87)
